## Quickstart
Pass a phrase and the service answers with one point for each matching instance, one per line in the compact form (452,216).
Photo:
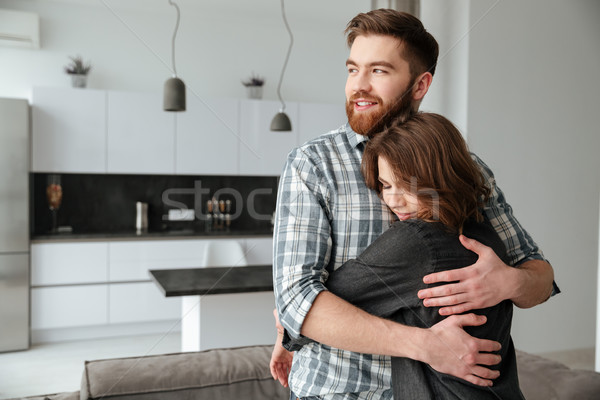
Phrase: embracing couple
(397,259)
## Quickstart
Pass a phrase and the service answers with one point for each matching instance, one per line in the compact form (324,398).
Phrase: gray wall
(534,97)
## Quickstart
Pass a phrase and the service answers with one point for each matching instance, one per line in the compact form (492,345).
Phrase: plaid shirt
(325,216)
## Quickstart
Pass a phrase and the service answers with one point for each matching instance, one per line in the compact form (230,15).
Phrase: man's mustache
(365,96)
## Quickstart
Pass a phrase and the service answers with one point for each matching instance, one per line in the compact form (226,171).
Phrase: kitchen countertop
(214,280)
(150,235)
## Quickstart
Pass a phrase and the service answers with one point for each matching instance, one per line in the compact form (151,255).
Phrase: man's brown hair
(429,158)
(419,47)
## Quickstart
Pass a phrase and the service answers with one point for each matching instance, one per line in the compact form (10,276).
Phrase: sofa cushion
(56,396)
(233,373)
(543,379)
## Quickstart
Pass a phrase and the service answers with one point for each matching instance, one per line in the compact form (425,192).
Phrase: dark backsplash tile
(107,203)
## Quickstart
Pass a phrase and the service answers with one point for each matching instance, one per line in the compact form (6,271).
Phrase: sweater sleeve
(386,277)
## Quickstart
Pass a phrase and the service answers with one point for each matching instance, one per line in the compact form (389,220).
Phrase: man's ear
(421,86)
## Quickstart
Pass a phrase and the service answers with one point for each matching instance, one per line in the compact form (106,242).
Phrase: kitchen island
(228,306)
(214,280)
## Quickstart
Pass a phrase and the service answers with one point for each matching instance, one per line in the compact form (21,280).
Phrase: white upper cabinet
(208,137)
(262,151)
(68,130)
(95,131)
(317,119)
(141,136)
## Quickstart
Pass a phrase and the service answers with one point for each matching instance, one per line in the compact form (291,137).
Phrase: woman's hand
(281,359)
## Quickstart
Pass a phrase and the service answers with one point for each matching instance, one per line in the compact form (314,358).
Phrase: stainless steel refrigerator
(14,224)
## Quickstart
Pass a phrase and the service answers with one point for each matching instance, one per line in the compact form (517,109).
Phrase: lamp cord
(174,35)
(287,57)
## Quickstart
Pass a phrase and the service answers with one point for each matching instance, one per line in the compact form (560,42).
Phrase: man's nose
(362,83)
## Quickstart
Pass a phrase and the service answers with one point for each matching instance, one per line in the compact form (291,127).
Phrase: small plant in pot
(78,71)
(254,86)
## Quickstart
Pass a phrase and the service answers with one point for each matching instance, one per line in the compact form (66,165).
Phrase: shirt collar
(354,138)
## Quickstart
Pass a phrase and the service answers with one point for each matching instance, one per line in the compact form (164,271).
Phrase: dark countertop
(213,280)
(151,235)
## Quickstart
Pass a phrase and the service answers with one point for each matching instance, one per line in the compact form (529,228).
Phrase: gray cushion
(543,379)
(236,373)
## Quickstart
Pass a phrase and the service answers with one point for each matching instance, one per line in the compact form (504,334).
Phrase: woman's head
(425,156)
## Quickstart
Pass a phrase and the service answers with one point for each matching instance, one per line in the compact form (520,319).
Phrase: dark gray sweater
(384,281)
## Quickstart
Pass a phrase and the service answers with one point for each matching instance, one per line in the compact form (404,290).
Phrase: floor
(57,367)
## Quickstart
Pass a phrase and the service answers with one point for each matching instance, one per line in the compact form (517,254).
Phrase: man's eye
(378,71)
(352,70)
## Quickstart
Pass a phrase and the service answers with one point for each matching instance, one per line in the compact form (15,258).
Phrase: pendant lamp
(174,91)
(281,122)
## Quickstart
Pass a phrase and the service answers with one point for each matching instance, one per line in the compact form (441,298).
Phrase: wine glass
(54,195)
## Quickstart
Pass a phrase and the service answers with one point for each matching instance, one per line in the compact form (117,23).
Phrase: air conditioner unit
(19,29)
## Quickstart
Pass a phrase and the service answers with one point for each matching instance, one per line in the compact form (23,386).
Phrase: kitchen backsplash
(97,203)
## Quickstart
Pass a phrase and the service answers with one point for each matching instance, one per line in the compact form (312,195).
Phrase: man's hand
(488,282)
(483,284)
(281,359)
(450,350)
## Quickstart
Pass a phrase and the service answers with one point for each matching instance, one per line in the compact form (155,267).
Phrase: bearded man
(326,215)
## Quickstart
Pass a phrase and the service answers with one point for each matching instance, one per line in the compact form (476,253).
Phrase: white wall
(448,22)
(534,94)
(218,45)
(522,84)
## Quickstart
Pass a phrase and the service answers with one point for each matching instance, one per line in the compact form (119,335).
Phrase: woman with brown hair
(423,171)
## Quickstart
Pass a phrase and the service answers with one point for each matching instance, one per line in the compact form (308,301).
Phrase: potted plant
(254,86)
(78,71)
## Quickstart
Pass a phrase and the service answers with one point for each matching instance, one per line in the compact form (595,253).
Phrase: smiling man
(326,215)
(379,83)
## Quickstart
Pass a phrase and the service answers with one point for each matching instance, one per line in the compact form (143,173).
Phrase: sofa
(243,373)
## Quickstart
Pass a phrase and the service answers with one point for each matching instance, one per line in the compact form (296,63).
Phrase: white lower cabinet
(69,306)
(140,302)
(68,263)
(96,284)
(130,261)
(259,251)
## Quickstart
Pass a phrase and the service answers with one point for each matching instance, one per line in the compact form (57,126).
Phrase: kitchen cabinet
(208,137)
(68,263)
(106,283)
(69,306)
(262,151)
(132,260)
(140,135)
(258,251)
(316,119)
(140,302)
(68,130)
(95,131)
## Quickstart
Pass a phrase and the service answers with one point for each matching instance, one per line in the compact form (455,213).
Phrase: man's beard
(371,123)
